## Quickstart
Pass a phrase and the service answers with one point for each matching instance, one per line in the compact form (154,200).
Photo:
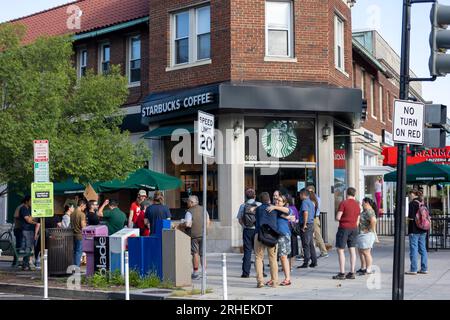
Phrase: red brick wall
(118,51)
(372,124)
(159,47)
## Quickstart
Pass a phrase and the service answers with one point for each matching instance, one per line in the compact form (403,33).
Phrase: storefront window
(340,164)
(191,175)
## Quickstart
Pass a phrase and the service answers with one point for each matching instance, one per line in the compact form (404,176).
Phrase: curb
(74,294)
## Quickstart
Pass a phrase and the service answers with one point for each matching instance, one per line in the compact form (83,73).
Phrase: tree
(41,98)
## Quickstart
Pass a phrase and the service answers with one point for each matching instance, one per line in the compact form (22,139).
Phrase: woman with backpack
(367,235)
(417,236)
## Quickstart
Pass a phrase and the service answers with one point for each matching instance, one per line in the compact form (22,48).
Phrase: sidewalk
(311,284)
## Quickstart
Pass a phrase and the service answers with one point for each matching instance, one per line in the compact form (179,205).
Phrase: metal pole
(127,277)
(399,243)
(224,276)
(205,221)
(42,241)
(45,274)
(448,198)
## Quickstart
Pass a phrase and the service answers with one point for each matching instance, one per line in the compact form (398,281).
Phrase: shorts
(196,246)
(284,245)
(346,237)
(365,240)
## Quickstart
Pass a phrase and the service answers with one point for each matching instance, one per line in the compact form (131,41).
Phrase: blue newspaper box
(145,255)
(160,225)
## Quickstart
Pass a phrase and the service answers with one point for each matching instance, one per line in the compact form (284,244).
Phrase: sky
(383,15)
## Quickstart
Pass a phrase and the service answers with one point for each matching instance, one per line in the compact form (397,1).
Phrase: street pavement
(316,283)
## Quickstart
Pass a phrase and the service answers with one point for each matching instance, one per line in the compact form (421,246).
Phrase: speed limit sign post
(205,148)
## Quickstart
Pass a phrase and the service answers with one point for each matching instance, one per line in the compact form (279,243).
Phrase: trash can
(88,244)
(176,258)
(60,250)
(146,255)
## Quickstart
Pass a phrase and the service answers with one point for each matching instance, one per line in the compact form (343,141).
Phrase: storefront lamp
(237,130)
(326,132)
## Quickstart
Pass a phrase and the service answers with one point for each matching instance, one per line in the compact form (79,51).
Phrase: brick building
(271,71)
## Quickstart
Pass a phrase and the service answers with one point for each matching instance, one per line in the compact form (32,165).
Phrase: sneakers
(350,275)
(411,273)
(423,272)
(339,276)
(195,276)
(361,272)
(324,255)
(299,258)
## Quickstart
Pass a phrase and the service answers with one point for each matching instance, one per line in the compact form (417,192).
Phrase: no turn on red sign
(408,122)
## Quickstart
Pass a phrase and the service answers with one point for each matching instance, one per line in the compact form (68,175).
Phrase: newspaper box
(88,244)
(118,244)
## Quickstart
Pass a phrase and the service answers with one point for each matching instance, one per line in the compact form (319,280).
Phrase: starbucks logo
(279,139)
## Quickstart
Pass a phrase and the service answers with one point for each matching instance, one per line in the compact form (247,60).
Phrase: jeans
(248,236)
(27,245)
(417,245)
(19,237)
(309,250)
(77,252)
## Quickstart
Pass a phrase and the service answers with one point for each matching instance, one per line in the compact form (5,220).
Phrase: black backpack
(268,236)
(249,217)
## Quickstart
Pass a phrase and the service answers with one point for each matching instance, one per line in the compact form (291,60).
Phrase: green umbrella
(70,187)
(142,179)
(425,173)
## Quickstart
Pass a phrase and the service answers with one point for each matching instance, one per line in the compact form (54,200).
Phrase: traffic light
(435,131)
(439,40)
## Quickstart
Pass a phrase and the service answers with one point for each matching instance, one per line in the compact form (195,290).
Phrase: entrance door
(287,180)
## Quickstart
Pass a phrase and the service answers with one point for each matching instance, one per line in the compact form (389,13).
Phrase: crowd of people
(277,225)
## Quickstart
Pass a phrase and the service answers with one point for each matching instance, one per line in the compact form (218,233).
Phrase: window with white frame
(105,56)
(191,34)
(134,60)
(82,62)
(279,34)
(368,159)
(339,43)
(380,103)
(372,97)
(388,105)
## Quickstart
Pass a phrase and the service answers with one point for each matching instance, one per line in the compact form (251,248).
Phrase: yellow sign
(42,200)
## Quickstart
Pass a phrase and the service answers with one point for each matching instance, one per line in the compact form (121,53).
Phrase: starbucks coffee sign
(279,139)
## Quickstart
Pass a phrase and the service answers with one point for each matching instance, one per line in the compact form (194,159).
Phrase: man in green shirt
(115,218)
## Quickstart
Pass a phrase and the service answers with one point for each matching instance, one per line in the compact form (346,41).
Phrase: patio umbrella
(423,173)
(70,187)
(142,179)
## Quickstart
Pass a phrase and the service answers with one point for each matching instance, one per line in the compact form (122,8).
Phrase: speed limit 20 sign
(205,134)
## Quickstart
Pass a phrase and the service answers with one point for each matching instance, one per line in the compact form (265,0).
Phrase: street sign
(40,150)
(205,134)
(408,122)
(42,199)
(41,172)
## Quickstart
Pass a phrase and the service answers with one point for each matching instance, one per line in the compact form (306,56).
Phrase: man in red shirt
(135,209)
(348,217)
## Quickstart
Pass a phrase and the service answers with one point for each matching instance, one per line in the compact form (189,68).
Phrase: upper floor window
(380,103)
(372,98)
(82,62)
(339,43)
(191,35)
(279,39)
(105,55)
(363,84)
(388,105)
(134,60)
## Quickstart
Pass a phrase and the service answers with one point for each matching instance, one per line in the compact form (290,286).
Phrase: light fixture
(351,3)
(237,130)
(326,131)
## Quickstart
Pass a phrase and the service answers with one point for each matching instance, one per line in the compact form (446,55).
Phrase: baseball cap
(142,193)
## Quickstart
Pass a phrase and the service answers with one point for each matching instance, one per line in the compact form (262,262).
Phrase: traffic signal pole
(399,226)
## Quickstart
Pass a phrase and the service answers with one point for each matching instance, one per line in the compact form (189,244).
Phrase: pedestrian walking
(78,222)
(284,215)
(317,230)
(417,236)
(194,221)
(367,235)
(28,227)
(157,211)
(18,230)
(135,209)
(115,218)
(266,222)
(247,219)
(348,217)
(306,220)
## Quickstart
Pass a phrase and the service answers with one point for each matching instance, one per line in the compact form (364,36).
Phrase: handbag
(268,236)
(295,228)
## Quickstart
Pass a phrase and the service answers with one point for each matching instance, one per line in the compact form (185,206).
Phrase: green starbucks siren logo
(279,139)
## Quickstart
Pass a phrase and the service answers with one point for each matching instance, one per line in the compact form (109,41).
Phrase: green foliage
(41,98)
(116,279)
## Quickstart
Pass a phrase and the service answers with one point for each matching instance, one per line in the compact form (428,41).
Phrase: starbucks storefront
(267,137)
